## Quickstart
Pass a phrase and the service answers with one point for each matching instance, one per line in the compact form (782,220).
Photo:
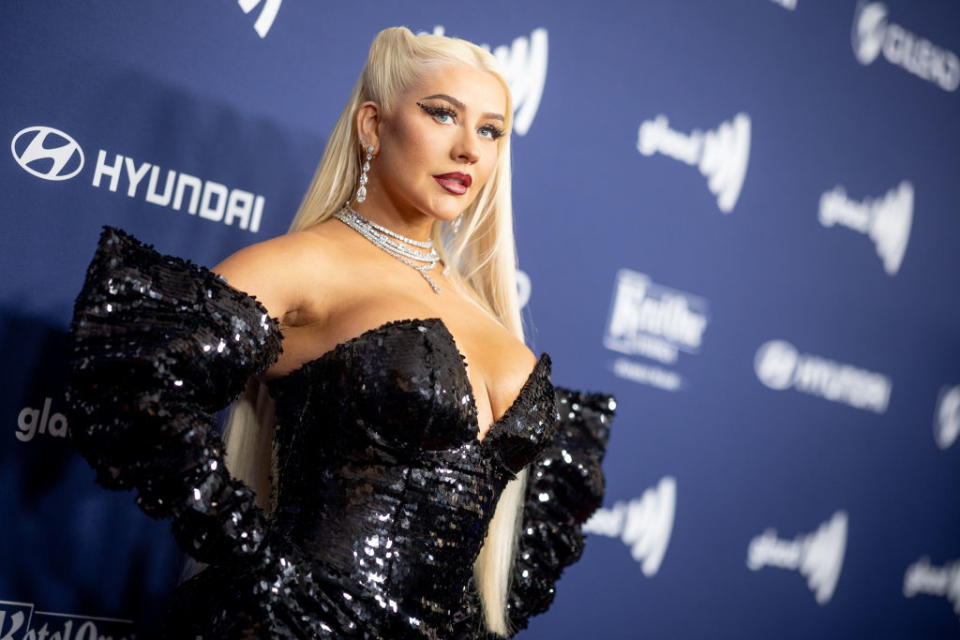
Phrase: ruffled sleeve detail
(565,486)
(157,346)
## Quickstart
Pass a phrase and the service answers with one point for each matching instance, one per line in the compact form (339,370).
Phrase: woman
(377,351)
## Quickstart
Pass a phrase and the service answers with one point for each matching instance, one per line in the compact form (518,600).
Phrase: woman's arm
(564,487)
(158,345)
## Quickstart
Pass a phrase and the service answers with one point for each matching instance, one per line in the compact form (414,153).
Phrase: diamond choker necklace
(387,240)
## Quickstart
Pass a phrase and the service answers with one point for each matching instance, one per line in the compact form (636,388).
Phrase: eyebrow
(462,107)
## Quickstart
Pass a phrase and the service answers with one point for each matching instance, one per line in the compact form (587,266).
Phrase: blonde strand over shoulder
(482,254)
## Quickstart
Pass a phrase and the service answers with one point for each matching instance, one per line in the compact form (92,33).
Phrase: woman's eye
(437,112)
(493,132)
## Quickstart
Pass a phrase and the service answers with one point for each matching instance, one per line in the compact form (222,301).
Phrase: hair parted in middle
(482,256)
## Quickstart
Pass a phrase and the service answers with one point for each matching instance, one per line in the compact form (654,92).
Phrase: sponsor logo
(210,200)
(656,322)
(53,155)
(922,577)
(779,366)
(946,417)
(818,556)
(721,155)
(47,153)
(524,64)
(787,4)
(31,421)
(885,220)
(268,14)
(20,621)
(872,34)
(644,524)
(524,288)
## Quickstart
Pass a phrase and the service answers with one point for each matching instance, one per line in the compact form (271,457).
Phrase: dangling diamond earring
(362,191)
(456,223)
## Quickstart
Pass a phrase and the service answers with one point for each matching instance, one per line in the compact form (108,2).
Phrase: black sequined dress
(384,491)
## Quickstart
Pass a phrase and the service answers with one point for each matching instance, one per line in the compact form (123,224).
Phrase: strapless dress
(384,491)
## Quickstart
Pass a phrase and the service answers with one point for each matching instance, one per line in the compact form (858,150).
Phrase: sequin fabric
(385,491)
(565,486)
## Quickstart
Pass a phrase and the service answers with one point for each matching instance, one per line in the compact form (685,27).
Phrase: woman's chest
(402,388)
(495,362)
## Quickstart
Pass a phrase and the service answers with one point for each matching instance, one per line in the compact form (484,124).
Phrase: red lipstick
(455,182)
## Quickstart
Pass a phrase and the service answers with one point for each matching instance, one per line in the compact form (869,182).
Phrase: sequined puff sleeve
(565,486)
(157,346)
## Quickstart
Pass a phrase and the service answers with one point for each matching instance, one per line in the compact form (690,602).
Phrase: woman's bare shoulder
(281,270)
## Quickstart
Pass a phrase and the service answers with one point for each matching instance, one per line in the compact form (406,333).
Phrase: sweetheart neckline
(461,364)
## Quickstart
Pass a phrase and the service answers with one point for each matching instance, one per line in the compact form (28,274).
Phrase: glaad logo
(19,621)
(47,153)
(644,524)
(885,220)
(922,577)
(779,366)
(524,65)
(946,423)
(872,34)
(721,155)
(817,556)
(32,421)
(524,287)
(655,322)
(267,14)
(210,200)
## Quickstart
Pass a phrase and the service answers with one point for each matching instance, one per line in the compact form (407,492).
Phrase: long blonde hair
(482,254)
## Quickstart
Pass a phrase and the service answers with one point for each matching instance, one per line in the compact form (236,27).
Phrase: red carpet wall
(742,218)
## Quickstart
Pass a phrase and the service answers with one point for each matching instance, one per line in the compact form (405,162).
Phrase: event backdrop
(741,217)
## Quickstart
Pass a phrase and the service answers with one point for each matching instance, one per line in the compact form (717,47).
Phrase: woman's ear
(368,125)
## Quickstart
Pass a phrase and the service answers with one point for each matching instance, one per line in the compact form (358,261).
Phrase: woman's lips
(453,186)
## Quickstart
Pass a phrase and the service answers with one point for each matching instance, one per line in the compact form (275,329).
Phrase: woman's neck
(412,224)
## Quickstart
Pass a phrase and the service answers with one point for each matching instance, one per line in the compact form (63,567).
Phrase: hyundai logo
(47,153)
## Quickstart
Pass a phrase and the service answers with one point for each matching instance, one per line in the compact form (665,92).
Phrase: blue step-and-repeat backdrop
(741,217)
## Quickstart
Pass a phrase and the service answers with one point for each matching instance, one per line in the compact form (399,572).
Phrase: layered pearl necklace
(387,240)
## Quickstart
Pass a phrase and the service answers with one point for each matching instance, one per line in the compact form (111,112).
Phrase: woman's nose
(466,148)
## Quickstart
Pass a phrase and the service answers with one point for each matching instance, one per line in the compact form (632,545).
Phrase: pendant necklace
(387,240)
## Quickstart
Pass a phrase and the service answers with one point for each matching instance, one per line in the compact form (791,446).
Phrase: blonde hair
(483,260)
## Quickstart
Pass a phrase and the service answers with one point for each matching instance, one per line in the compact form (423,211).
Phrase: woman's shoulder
(294,250)
(282,271)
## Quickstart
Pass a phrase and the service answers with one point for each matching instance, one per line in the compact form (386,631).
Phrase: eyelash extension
(495,132)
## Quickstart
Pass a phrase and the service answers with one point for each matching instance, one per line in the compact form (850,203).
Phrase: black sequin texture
(385,491)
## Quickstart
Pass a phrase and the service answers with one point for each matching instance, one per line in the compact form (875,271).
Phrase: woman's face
(448,123)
